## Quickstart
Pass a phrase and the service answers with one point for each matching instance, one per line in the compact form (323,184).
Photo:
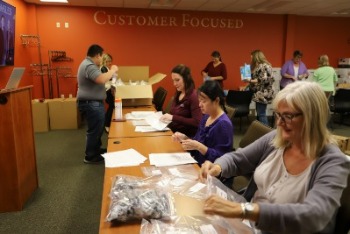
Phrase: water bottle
(118,112)
(114,78)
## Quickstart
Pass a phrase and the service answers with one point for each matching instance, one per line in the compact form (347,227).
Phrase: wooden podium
(18,170)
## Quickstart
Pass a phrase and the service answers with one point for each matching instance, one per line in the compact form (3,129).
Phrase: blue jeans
(94,113)
(261,113)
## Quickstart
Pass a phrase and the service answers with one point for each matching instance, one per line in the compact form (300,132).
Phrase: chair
(240,100)
(230,112)
(168,106)
(255,130)
(340,103)
(342,224)
(159,98)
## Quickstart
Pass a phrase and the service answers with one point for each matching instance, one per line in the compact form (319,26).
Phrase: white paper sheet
(153,120)
(149,129)
(124,158)
(138,115)
(170,159)
(140,122)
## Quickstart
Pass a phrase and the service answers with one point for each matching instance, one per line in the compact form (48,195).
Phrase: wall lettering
(186,20)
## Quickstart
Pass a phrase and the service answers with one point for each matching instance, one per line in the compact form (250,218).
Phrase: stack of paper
(170,159)
(124,158)
(149,129)
(139,122)
(138,115)
(154,121)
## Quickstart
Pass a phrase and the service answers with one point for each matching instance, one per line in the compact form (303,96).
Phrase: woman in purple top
(293,70)
(215,70)
(214,137)
(184,115)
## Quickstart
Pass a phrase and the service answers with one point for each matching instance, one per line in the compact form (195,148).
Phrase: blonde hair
(258,57)
(105,58)
(323,60)
(309,99)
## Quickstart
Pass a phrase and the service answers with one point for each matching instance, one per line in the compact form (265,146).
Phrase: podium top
(15,90)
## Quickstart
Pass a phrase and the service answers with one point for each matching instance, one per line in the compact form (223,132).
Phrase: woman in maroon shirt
(215,70)
(185,114)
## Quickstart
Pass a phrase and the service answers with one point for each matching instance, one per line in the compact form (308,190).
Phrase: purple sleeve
(302,69)
(285,68)
(222,141)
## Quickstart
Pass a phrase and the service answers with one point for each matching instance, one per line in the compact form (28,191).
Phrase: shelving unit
(38,69)
(52,72)
(58,57)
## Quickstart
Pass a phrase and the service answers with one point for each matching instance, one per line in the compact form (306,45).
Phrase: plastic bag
(137,198)
(216,187)
(183,171)
(245,72)
(183,225)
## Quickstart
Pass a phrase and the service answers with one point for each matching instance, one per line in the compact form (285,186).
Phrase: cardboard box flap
(133,73)
(134,91)
(156,78)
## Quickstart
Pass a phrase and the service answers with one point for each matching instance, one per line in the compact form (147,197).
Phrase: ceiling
(335,8)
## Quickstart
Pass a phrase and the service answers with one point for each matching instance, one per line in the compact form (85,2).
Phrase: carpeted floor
(69,196)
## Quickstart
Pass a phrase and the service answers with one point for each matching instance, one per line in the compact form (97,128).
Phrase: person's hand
(219,206)
(190,144)
(204,74)
(166,118)
(114,68)
(253,81)
(302,76)
(178,137)
(209,168)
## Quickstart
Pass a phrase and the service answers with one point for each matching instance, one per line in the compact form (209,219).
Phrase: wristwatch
(247,208)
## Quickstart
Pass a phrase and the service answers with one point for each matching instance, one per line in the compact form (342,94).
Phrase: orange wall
(23,56)
(162,48)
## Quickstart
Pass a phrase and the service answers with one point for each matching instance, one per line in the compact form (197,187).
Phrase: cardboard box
(40,116)
(343,142)
(133,73)
(64,113)
(133,92)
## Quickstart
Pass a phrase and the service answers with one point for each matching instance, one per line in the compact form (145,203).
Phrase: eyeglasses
(287,117)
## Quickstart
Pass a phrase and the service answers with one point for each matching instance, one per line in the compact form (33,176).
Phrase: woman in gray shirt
(299,172)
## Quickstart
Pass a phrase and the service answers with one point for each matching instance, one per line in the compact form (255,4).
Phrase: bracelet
(243,210)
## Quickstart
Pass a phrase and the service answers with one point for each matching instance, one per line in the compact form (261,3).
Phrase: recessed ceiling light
(55,1)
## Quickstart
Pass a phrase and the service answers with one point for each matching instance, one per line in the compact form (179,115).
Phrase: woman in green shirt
(325,75)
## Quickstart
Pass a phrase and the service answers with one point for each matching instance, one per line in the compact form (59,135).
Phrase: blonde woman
(110,90)
(325,75)
(299,173)
(261,84)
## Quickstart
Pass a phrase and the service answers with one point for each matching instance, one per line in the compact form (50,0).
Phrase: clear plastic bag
(184,171)
(178,179)
(195,189)
(183,225)
(137,198)
(216,187)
